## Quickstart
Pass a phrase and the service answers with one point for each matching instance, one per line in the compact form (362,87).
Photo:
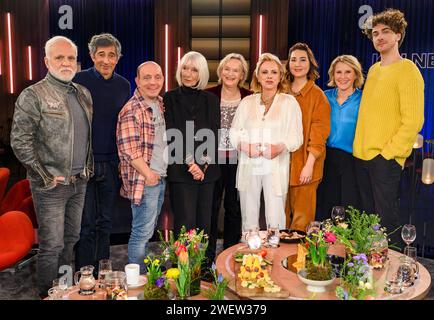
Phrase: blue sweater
(109,96)
(343,120)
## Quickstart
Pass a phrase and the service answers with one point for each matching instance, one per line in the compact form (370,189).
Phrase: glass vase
(195,281)
(378,251)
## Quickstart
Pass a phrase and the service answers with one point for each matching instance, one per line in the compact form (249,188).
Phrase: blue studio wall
(130,21)
(331,28)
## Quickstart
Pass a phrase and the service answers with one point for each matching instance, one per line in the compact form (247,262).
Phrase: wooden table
(134,294)
(289,281)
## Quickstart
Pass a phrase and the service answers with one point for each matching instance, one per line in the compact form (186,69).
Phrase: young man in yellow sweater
(391,114)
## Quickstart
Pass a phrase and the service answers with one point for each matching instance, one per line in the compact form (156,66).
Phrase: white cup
(132,271)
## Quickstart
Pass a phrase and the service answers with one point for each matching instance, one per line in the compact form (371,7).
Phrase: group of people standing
(284,138)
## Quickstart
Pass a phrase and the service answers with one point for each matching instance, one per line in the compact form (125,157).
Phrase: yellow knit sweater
(391,112)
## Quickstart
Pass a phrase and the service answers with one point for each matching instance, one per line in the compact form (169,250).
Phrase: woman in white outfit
(267,126)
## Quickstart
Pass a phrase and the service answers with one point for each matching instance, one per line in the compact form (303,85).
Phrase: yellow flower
(146,260)
(156,262)
(172,273)
(343,225)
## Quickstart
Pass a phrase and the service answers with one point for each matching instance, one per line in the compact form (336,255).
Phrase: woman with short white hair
(189,109)
(266,128)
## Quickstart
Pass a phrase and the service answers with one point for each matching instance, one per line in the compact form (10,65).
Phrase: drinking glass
(338,214)
(411,252)
(273,236)
(313,227)
(408,234)
(253,239)
(105,266)
(394,283)
(406,270)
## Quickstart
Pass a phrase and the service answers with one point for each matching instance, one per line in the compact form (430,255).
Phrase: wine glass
(338,214)
(313,227)
(408,234)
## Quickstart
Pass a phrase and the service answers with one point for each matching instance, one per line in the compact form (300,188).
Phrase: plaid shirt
(135,138)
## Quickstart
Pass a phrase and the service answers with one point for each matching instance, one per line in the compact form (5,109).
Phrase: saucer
(141,282)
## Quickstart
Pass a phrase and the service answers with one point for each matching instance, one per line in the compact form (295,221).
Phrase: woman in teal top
(338,187)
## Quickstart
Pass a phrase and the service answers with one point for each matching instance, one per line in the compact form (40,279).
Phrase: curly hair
(392,18)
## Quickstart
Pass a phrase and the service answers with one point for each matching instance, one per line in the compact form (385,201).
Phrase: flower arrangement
(156,287)
(195,243)
(181,274)
(318,266)
(356,280)
(363,233)
(217,291)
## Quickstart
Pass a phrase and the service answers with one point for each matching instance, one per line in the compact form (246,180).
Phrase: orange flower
(183,257)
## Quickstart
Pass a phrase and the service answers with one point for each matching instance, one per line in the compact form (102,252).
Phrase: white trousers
(250,201)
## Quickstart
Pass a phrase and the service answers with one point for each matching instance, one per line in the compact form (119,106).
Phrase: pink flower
(330,237)
(176,244)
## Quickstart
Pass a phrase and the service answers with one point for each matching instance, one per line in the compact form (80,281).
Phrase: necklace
(267,101)
(267,104)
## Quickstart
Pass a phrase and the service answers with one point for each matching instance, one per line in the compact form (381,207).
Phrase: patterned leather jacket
(42,135)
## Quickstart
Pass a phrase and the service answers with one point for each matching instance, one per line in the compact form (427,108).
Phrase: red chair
(28,208)
(4,179)
(16,238)
(16,194)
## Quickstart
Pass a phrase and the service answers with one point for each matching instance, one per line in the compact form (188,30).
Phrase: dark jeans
(378,181)
(102,192)
(338,186)
(58,212)
(232,219)
(192,205)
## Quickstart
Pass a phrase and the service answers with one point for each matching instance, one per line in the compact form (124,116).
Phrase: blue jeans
(145,218)
(58,212)
(96,225)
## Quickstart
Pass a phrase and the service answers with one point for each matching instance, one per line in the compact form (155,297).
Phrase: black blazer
(201,108)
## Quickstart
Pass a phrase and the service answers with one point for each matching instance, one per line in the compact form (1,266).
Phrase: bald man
(141,147)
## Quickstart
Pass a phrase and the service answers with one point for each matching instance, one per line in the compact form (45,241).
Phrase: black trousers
(338,186)
(192,206)
(232,219)
(378,180)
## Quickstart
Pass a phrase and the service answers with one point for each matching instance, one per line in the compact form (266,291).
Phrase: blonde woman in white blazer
(266,128)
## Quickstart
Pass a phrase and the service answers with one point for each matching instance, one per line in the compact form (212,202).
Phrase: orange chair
(16,238)
(16,194)
(4,179)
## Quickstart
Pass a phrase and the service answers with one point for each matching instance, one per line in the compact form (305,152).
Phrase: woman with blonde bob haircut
(338,187)
(266,128)
(232,73)
(190,109)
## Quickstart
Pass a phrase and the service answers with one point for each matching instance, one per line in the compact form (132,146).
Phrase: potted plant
(318,272)
(156,286)
(356,280)
(218,287)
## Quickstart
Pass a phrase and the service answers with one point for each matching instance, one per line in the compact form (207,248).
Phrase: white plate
(142,281)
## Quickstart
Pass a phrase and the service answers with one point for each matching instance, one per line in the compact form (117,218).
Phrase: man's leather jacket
(42,134)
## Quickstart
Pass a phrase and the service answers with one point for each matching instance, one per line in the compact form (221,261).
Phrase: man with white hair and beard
(50,136)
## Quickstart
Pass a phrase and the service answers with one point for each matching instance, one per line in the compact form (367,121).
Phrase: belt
(74,178)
